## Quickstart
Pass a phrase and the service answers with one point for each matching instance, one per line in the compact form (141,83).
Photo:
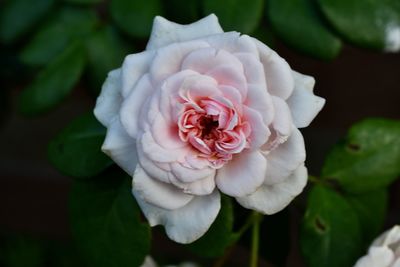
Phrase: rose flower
(202,111)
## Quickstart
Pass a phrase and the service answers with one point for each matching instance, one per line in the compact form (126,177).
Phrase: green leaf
(76,150)
(19,16)
(55,82)
(84,2)
(182,11)
(106,51)
(22,251)
(135,17)
(368,159)
(66,26)
(371,211)
(330,234)
(219,236)
(106,222)
(373,24)
(298,23)
(236,15)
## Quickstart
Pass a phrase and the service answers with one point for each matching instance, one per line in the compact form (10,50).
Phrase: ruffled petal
(199,187)
(259,131)
(188,223)
(133,68)
(132,105)
(162,195)
(270,199)
(109,101)
(168,59)
(376,257)
(120,147)
(166,32)
(303,103)
(285,158)
(233,42)
(242,175)
(188,175)
(280,81)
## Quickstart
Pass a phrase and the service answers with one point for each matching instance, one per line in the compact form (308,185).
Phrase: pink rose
(202,111)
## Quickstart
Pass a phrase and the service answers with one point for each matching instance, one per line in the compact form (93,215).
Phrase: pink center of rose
(214,128)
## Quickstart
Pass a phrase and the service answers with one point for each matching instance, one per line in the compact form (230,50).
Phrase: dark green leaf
(76,150)
(55,82)
(18,16)
(219,236)
(372,24)
(21,251)
(106,222)
(182,11)
(371,211)
(236,15)
(298,23)
(84,2)
(135,17)
(65,27)
(330,234)
(106,51)
(368,159)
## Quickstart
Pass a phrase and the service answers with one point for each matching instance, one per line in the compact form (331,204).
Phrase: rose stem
(255,239)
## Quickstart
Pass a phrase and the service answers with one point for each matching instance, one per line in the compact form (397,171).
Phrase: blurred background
(55,55)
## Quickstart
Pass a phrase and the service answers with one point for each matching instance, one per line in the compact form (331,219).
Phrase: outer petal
(270,199)
(303,103)
(390,237)
(165,32)
(285,158)
(200,187)
(188,223)
(132,105)
(278,73)
(133,68)
(163,195)
(376,257)
(120,146)
(243,174)
(109,101)
(149,262)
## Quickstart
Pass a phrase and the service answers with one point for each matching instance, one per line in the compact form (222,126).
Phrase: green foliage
(331,233)
(219,236)
(135,17)
(298,23)
(236,15)
(76,150)
(182,11)
(106,51)
(368,159)
(65,27)
(363,23)
(106,222)
(55,82)
(84,2)
(19,16)
(371,211)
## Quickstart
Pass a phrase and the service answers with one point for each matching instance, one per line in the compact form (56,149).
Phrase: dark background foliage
(54,56)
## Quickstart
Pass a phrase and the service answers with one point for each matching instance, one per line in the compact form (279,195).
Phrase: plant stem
(255,239)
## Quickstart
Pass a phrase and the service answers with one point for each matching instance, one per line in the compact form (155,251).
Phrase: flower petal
(259,131)
(109,101)
(188,175)
(120,146)
(166,32)
(162,195)
(243,174)
(130,110)
(188,223)
(270,199)
(233,42)
(168,59)
(199,187)
(376,257)
(133,68)
(303,103)
(285,158)
(278,73)
(390,237)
